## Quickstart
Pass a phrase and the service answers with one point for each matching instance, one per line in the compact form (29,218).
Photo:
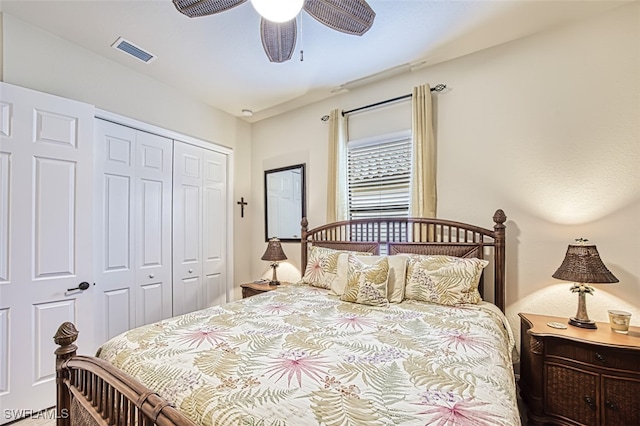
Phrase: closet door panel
(187,228)
(115,303)
(214,228)
(134,224)
(152,222)
(117,229)
(190,211)
(150,230)
(190,294)
(200,228)
(114,271)
(152,298)
(214,289)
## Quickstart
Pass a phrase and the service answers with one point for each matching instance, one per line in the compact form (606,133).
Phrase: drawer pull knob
(610,405)
(600,358)
(589,401)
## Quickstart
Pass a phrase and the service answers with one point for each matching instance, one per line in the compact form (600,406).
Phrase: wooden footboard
(90,391)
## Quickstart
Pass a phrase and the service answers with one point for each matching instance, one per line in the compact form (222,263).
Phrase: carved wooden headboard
(417,236)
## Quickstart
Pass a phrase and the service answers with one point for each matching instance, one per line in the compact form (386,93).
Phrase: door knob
(190,271)
(82,286)
(151,275)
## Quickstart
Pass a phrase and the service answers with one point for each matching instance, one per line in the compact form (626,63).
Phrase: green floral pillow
(322,266)
(397,275)
(367,284)
(445,280)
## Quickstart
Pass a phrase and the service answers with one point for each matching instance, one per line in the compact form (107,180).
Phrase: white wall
(546,128)
(39,60)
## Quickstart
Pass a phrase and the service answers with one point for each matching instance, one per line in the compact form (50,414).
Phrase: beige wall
(546,128)
(38,60)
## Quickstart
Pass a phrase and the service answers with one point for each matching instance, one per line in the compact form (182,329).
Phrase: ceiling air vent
(133,50)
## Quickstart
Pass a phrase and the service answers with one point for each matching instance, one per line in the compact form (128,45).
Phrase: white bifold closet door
(133,235)
(199,228)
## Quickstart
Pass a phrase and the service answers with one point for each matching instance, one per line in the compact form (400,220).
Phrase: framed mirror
(284,202)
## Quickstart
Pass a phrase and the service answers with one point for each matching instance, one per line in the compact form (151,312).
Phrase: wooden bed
(91,391)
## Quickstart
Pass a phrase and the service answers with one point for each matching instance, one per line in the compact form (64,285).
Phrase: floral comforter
(299,356)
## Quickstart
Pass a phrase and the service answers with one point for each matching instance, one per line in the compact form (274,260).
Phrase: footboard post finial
(65,337)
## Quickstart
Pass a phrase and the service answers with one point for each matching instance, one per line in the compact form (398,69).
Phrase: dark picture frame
(284,202)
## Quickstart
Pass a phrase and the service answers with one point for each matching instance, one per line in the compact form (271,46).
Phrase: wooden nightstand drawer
(598,356)
(570,393)
(252,289)
(620,409)
(577,376)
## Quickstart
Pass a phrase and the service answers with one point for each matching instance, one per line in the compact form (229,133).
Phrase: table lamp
(583,266)
(274,254)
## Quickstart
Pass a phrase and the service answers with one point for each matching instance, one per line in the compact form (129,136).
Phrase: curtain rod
(436,88)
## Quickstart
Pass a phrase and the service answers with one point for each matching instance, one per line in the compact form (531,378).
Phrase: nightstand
(579,376)
(251,289)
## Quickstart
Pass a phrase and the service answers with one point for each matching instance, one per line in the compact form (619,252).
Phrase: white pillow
(397,275)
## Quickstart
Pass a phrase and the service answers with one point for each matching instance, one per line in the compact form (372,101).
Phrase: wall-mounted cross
(242,204)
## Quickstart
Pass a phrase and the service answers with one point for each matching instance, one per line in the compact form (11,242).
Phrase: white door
(133,225)
(199,228)
(46,165)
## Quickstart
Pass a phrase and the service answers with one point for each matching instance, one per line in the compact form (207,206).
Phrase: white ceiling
(219,58)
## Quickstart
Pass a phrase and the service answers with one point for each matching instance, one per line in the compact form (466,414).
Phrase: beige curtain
(423,178)
(337,171)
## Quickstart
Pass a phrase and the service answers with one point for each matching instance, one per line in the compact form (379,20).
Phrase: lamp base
(274,278)
(582,323)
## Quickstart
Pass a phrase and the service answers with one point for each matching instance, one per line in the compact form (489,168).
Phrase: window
(378,176)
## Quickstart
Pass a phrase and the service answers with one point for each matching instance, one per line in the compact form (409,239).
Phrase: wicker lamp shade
(582,264)
(274,254)
(274,251)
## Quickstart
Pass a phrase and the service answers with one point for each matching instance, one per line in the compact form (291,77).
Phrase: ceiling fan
(279,38)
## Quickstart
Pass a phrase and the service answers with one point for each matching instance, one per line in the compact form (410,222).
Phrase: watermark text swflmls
(36,414)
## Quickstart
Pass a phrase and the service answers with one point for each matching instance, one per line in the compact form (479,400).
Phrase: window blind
(379,177)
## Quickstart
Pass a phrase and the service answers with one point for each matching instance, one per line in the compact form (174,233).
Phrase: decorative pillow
(367,284)
(322,266)
(397,275)
(445,280)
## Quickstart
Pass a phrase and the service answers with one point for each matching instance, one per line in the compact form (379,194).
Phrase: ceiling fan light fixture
(278,27)
(278,10)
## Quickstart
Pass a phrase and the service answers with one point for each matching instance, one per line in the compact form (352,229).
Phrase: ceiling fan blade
(196,8)
(347,16)
(278,39)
